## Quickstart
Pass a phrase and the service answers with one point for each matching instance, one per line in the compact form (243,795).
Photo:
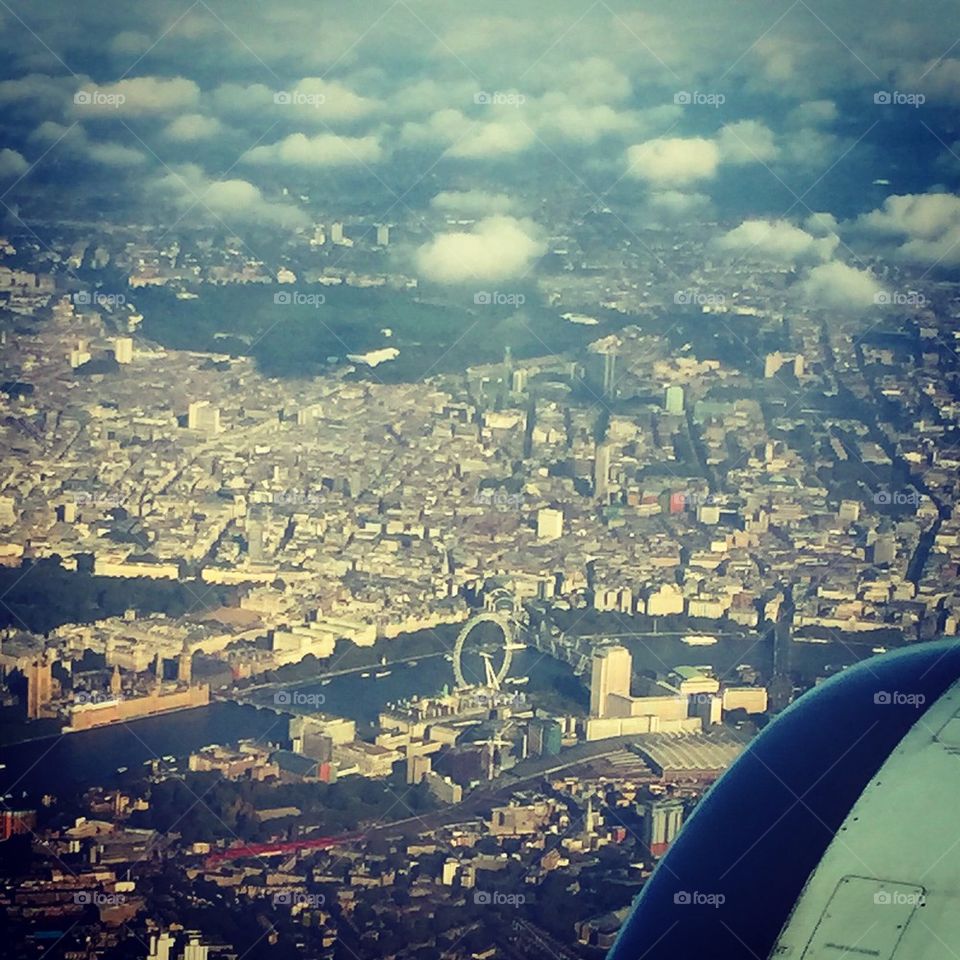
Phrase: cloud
(193,193)
(494,139)
(498,248)
(74,139)
(12,164)
(469,203)
(673,161)
(747,141)
(926,226)
(777,240)
(838,286)
(135,96)
(323,150)
(190,127)
(677,205)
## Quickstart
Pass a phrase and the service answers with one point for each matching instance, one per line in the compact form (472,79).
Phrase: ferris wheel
(494,677)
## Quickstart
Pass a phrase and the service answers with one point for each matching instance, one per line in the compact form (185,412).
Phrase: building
(545,737)
(515,820)
(674,401)
(39,687)
(203,416)
(336,233)
(123,350)
(662,819)
(610,675)
(549,524)
(383,235)
(16,822)
(601,472)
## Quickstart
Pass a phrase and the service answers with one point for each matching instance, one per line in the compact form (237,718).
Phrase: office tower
(336,233)
(123,349)
(160,947)
(610,674)
(158,668)
(383,235)
(601,472)
(549,524)
(609,373)
(519,381)
(202,415)
(39,687)
(674,400)
(662,820)
(885,549)
(79,355)
(195,950)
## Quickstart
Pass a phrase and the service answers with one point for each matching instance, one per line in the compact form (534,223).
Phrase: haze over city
(479,480)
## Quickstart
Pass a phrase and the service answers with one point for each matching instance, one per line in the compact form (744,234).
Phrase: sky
(815,135)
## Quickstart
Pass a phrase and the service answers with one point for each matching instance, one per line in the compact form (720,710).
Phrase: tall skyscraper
(609,373)
(383,235)
(610,674)
(336,233)
(662,820)
(39,687)
(601,472)
(185,665)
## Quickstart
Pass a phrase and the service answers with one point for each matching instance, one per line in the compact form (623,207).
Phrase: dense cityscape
(391,576)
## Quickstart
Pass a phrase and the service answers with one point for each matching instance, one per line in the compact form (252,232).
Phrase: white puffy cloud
(813,112)
(926,226)
(837,286)
(494,139)
(135,96)
(190,127)
(777,240)
(747,141)
(470,203)
(677,205)
(673,161)
(12,164)
(323,150)
(497,248)
(234,200)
